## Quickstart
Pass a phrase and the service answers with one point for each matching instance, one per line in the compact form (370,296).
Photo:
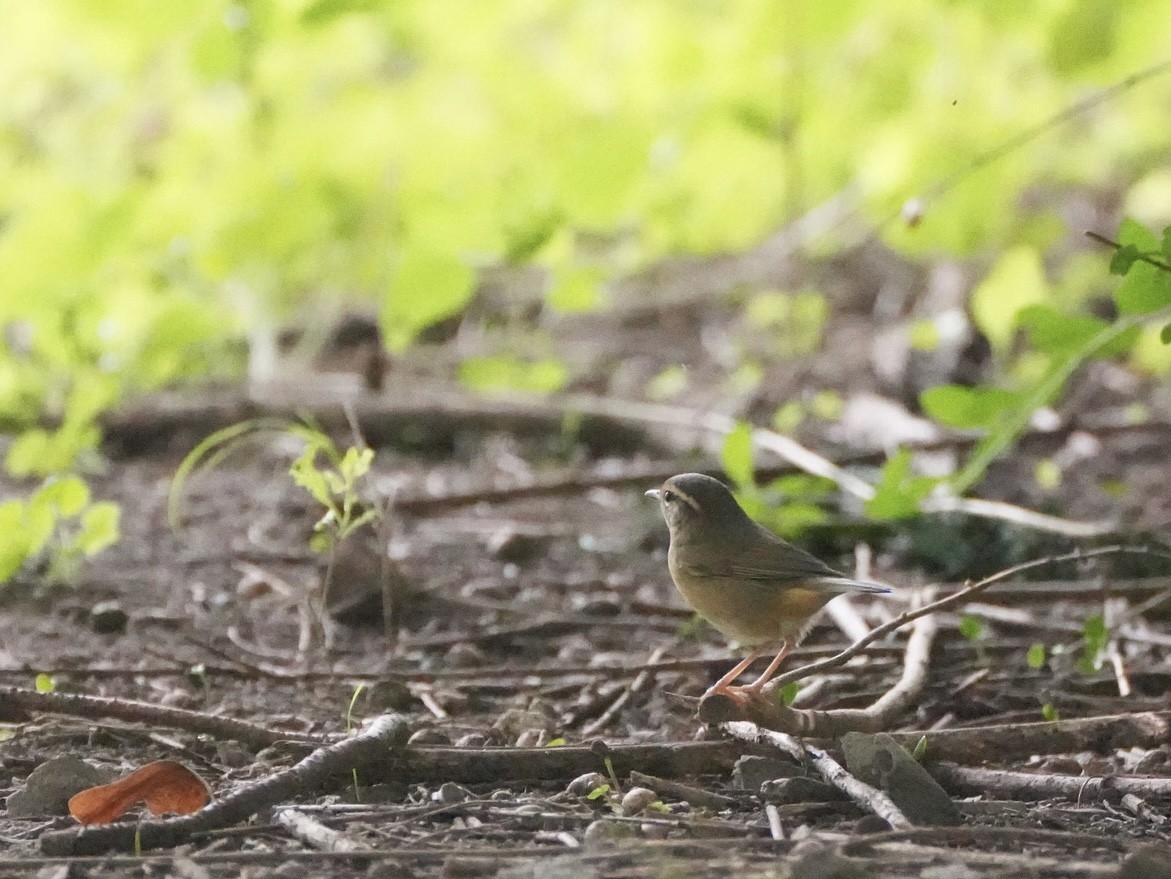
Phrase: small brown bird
(754,587)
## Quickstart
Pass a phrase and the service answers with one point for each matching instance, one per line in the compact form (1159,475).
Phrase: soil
(531,606)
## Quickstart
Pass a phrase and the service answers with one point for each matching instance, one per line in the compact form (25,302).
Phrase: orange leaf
(165,785)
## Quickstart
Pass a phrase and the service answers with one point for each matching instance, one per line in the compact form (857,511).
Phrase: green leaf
(789,692)
(899,490)
(428,286)
(44,683)
(924,335)
(1165,249)
(1047,473)
(920,748)
(1036,656)
(306,474)
(575,290)
(1165,334)
(971,627)
(503,372)
(968,408)
(1015,281)
(600,791)
(1145,288)
(1133,233)
(1059,334)
(1049,712)
(67,495)
(1123,259)
(99,527)
(736,455)
(15,543)
(1095,637)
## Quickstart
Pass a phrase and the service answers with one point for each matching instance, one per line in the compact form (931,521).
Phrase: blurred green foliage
(175,174)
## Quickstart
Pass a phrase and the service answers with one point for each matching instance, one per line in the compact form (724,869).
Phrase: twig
(1142,257)
(775,828)
(975,833)
(952,600)
(640,683)
(19,700)
(315,834)
(869,798)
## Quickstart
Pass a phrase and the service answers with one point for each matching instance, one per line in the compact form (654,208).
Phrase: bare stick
(952,600)
(869,798)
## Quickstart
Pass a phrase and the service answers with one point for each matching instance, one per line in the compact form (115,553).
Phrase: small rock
(389,870)
(532,738)
(880,761)
(637,799)
(48,788)
(509,545)
(514,721)
(654,831)
(781,791)
(604,605)
(429,736)
(820,862)
(607,831)
(108,618)
(472,740)
(1147,862)
(750,772)
(450,793)
(584,785)
(464,655)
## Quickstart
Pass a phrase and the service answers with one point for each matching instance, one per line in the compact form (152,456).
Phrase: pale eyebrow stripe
(688,498)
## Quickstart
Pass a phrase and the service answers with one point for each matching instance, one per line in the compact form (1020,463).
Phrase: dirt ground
(532,612)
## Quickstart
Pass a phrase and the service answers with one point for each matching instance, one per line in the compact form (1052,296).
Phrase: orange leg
(759,683)
(737,670)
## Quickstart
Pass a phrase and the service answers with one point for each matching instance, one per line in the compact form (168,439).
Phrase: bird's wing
(778,561)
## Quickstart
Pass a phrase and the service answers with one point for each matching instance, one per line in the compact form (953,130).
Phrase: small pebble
(450,793)
(584,785)
(654,831)
(532,738)
(108,618)
(429,736)
(607,831)
(637,799)
(464,655)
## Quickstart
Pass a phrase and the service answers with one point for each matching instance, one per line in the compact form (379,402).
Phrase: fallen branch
(869,798)
(1103,734)
(1084,789)
(18,702)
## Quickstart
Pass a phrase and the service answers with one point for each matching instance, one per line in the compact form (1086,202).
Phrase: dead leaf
(165,785)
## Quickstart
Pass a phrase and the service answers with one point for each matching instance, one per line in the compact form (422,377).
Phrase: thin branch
(953,600)
(869,798)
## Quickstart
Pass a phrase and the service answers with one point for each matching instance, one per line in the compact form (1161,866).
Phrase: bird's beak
(655,493)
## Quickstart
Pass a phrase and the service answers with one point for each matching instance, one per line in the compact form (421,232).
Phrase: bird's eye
(668,496)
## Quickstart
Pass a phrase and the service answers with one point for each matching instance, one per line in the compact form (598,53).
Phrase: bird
(756,588)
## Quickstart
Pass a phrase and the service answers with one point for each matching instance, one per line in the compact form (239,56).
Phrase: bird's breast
(750,611)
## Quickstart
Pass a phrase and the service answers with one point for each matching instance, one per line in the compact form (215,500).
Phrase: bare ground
(533,614)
